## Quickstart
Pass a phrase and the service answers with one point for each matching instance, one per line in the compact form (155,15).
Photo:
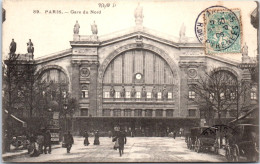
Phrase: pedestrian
(86,142)
(40,141)
(174,134)
(68,140)
(96,140)
(115,139)
(32,149)
(47,142)
(121,137)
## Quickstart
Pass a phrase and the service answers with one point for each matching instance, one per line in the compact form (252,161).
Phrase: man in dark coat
(68,140)
(47,142)
(86,142)
(121,137)
(96,140)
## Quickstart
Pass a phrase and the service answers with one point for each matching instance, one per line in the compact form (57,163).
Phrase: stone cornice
(54,56)
(85,62)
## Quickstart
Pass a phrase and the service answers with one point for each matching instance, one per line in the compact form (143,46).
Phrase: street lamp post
(65,110)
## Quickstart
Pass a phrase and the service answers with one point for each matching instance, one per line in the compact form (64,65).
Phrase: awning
(245,115)
(24,123)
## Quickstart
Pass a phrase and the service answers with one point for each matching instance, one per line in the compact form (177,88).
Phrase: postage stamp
(222,31)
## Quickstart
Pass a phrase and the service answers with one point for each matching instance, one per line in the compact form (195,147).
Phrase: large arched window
(139,74)
(54,76)
(53,89)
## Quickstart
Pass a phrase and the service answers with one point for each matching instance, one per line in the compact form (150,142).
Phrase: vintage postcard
(130,81)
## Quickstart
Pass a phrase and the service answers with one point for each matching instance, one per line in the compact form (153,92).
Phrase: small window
(127,112)
(159,95)
(192,95)
(107,95)
(138,112)
(117,94)
(84,93)
(148,112)
(169,95)
(106,112)
(117,112)
(159,113)
(169,113)
(128,95)
(84,112)
(253,96)
(138,95)
(149,95)
(192,112)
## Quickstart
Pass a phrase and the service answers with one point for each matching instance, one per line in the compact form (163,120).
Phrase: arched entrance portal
(140,91)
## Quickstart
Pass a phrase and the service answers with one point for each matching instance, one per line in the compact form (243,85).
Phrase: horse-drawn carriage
(202,138)
(243,143)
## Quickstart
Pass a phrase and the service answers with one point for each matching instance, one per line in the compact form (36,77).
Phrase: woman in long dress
(86,142)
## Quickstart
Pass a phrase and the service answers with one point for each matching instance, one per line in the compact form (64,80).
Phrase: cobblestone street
(137,149)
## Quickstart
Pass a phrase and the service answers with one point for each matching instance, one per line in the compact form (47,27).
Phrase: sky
(51,32)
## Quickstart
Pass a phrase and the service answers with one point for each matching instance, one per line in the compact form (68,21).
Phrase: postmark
(219,29)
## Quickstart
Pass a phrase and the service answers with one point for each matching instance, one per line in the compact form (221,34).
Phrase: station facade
(137,78)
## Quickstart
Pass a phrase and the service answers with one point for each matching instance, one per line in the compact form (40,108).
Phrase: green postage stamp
(223,31)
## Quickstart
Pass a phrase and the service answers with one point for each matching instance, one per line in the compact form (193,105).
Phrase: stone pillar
(143,112)
(164,113)
(93,108)
(132,112)
(75,91)
(111,112)
(246,82)
(122,112)
(153,113)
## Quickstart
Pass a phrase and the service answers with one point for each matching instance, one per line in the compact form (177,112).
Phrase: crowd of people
(41,142)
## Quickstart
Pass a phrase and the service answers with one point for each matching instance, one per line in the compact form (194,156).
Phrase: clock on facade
(84,72)
(138,76)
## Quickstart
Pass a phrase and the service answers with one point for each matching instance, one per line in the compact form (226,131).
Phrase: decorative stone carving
(182,34)
(76,28)
(12,47)
(165,93)
(245,57)
(122,92)
(30,47)
(133,92)
(139,41)
(154,92)
(112,91)
(245,50)
(94,28)
(84,72)
(143,93)
(192,73)
(139,15)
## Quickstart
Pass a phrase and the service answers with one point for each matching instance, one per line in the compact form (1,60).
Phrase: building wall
(89,67)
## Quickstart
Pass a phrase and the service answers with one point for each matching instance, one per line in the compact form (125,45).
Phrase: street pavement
(137,149)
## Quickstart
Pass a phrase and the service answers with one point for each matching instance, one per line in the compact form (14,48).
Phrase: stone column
(164,113)
(75,91)
(132,112)
(122,112)
(143,112)
(111,112)
(153,113)
(93,108)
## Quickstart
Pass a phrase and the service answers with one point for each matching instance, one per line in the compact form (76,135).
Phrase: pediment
(134,32)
